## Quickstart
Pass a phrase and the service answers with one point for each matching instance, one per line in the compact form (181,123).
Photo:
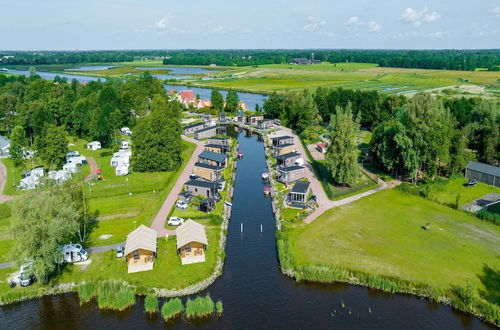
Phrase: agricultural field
(384,234)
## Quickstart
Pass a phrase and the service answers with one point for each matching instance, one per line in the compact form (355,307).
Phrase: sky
(233,24)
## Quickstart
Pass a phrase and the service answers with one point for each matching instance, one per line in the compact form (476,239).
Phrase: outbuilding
(140,249)
(192,242)
(321,148)
(298,196)
(204,189)
(484,173)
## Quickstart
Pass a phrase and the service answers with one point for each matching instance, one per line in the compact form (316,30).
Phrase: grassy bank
(379,241)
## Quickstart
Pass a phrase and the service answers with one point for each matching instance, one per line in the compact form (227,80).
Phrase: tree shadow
(491,281)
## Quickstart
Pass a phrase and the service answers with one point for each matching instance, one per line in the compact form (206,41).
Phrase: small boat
(240,154)
(228,203)
(265,174)
(267,190)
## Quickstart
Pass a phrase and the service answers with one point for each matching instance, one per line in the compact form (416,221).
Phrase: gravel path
(93,168)
(159,221)
(3,181)
(5,265)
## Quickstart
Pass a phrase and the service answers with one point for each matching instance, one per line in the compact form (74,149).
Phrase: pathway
(93,168)
(159,221)
(3,181)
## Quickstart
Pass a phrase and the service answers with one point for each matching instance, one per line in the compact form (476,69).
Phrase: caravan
(126,131)
(73,253)
(78,160)
(122,169)
(70,167)
(94,145)
(60,176)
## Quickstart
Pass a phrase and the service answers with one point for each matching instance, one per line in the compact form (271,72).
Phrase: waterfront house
(240,117)
(186,98)
(283,149)
(94,145)
(4,146)
(201,104)
(140,249)
(202,188)
(288,159)
(485,173)
(280,140)
(190,129)
(212,158)
(192,242)
(218,148)
(205,132)
(321,148)
(290,174)
(208,172)
(218,140)
(207,205)
(265,123)
(298,196)
(253,119)
(222,117)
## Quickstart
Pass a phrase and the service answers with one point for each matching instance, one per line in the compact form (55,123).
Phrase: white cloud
(354,24)
(314,24)
(373,26)
(416,17)
(496,11)
(163,23)
(437,34)
(354,20)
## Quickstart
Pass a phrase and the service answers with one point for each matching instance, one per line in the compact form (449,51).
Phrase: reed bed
(172,308)
(151,304)
(200,307)
(115,295)
(86,291)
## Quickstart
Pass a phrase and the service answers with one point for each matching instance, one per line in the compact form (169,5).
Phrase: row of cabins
(256,120)
(201,130)
(187,99)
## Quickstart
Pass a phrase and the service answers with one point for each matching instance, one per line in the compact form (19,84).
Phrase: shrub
(151,304)
(219,308)
(488,216)
(172,308)
(200,307)
(86,291)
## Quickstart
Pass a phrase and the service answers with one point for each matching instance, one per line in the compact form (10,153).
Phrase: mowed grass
(382,234)
(5,241)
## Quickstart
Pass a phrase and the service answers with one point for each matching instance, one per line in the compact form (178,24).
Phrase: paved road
(3,181)
(93,168)
(159,221)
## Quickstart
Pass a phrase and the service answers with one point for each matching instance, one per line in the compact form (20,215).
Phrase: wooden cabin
(277,141)
(265,123)
(140,249)
(191,242)
(218,140)
(205,132)
(208,172)
(202,188)
(290,174)
(218,148)
(283,149)
(288,159)
(212,158)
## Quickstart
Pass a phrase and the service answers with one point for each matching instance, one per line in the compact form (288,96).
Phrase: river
(254,292)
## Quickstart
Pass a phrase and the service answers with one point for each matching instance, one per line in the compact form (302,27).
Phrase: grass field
(382,234)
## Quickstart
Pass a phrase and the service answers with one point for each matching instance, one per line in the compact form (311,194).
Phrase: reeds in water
(172,308)
(200,307)
(151,304)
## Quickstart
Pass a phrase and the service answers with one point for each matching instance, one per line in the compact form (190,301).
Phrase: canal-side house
(253,119)
(186,98)
(218,140)
(204,189)
(265,123)
(222,117)
(191,129)
(290,174)
(140,249)
(208,172)
(212,158)
(4,146)
(240,117)
(484,173)
(205,132)
(284,149)
(281,140)
(299,194)
(218,148)
(192,242)
(287,160)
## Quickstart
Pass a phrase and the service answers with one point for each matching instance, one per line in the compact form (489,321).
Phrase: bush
(200,307)
(219,308)
(151,304)
(489,216)
(172,308)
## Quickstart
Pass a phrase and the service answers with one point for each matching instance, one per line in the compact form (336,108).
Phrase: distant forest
(469,60)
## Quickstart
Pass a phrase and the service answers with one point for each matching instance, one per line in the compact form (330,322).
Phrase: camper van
(78,160)
(94,145)
(126,131)
(125,144)
(73,253)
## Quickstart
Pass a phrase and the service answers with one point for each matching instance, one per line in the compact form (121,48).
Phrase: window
(187,247)
(136,254)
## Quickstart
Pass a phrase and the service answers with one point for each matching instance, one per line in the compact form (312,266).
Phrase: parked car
(471,182)
(181,205)
(26,279)
(120,251)
(175,221)
(277,122)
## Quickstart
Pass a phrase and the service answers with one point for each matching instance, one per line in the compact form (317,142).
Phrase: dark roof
(290,168)
(218,146)
(185,193)
(284,145)
(288,155)
(210,155)
(204,184)
(210,167)
(208,200)
(279,138)
(484,168)
(301,187)
(206,129)
(193,125)
(251,116)
(218,138)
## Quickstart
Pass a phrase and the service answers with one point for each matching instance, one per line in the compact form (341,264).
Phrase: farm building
(298,195)
(485,173)
(265,123)
(208,172)
(287,160)
(94,145)
(253,119)
(201,188)
(217,148)
(140,249)
(190,129)
(205,132)
(218,140)
(290,174)
(283,149)
(191,242)
(280,140)
(4,146)
(212,158)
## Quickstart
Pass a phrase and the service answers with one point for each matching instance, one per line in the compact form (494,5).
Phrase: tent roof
(141,238)
(191,231)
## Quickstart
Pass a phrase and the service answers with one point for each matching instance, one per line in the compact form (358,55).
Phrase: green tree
(53,146)
(307,114)
(40,223)
(342,154)
(232,101)
(17,144)
(217,99)
(157,143)
(458,154)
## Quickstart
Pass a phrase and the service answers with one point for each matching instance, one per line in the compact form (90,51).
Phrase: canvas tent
(140,249)
(191,242)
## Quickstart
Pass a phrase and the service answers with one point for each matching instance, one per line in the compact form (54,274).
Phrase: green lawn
(382,234)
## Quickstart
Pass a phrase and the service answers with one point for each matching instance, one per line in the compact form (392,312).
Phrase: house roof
(210,167)
(141,238)
(300,187)
(206,129)
(187,95)
(320,145)
(218,146)
(214,156)
(286,156)
(218,138)
(279,138)
(484,168)
(190,231)
(284,145)
(194,125)
(290,168)
(204,184)
(4,142)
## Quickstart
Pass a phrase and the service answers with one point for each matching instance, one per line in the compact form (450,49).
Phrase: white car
(181,205)
(175,221)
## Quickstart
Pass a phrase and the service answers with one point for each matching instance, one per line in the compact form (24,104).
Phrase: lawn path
(159,221)
(3,180)
(93,168)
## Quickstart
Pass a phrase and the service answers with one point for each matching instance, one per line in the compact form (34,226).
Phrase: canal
(254,292)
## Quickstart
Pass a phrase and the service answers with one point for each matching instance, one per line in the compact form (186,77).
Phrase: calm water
(254,292)
(179,70)
(52,75)
(93,68)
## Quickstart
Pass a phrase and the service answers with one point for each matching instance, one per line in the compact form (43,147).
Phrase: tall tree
(53,146)
(17,144)
(217,99)
(232,101)
(307,114)
(342,154)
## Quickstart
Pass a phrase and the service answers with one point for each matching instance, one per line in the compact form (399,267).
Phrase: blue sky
(148,24)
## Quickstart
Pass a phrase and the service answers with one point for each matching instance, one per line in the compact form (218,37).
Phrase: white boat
(265,174)
(228,203)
